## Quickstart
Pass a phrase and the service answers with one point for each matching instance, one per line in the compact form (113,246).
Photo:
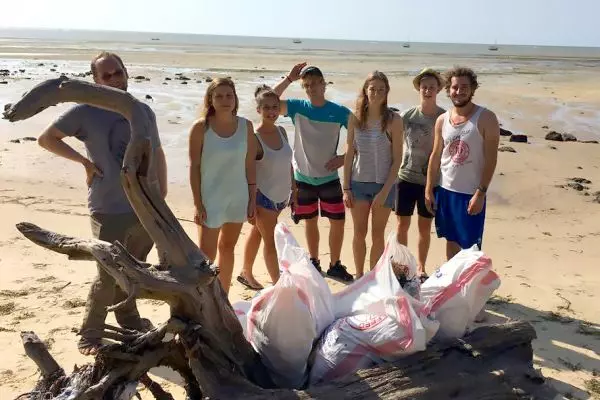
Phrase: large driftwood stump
(209,350)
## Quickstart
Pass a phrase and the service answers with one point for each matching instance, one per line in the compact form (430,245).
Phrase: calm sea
(148,41)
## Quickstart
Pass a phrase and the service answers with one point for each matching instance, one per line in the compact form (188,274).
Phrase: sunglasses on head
(118,74)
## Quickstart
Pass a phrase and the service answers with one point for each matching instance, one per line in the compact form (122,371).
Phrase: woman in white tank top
(222,175)
(274,180)
(373,157)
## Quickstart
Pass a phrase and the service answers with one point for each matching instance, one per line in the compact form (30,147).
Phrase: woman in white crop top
(275,183)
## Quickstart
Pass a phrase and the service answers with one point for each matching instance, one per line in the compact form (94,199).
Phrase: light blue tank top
(224,186)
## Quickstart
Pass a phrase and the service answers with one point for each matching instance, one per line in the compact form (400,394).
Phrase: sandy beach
(542,233)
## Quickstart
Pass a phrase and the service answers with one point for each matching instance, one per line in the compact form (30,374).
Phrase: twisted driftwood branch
(209,350)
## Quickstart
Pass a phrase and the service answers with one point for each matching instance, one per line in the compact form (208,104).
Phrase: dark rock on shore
(148,97)
(577,186)
(505,132)
(208,79)
(506,149)
(555,136)
(581,180)
(518,138)
(560,137)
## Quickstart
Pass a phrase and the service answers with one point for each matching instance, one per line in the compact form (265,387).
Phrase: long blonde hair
(362,103)
(208,109)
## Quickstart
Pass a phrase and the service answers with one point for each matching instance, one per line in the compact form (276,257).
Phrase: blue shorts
(366,191)
(264,202)
(454,223)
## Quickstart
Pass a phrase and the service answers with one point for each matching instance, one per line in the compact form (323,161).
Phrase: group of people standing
(440,161)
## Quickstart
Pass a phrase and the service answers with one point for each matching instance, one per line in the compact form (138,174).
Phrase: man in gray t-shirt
(105,135)
(419,122)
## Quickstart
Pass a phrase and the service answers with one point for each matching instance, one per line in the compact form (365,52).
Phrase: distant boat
(494,47)
(406,45)
(155,38)
(297,41)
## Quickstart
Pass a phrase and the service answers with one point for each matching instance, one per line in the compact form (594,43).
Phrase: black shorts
(327,197)
(407,195)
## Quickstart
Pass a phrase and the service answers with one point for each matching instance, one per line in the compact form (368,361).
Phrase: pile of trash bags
(305,334)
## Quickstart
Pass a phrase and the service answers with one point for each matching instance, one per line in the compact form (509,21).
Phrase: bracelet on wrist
(347,189)
(288,78)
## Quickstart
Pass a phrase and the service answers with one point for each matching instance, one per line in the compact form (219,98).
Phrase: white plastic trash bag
(381,282)
(458,291)
(364,340)
(286,319)
(241,309)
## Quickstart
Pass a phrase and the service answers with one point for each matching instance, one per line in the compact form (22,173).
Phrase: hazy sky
(544,22)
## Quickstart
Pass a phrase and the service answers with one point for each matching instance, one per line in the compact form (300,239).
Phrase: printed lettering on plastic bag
(458,290)
(367,339)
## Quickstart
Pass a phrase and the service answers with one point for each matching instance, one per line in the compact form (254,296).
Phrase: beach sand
(542,235)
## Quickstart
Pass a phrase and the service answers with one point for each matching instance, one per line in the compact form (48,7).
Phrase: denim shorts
(266,203)
(366,191)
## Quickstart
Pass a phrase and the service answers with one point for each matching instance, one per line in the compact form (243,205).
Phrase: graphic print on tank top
(459,150)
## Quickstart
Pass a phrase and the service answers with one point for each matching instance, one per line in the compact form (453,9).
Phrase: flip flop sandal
(245,282)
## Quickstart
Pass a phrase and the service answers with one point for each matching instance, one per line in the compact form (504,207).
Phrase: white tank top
(462,156)
(373,158)
(273,170)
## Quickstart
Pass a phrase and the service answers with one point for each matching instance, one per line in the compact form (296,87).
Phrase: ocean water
(177,106)
(154,41)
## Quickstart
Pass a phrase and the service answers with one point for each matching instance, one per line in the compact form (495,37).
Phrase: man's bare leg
(452,249)
(311,229)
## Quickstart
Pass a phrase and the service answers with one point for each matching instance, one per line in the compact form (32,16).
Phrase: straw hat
(428,72)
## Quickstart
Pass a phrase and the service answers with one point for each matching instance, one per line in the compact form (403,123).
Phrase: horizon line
(288,37)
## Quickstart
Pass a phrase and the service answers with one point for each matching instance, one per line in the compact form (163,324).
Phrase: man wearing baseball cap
(419,122)
(317,124)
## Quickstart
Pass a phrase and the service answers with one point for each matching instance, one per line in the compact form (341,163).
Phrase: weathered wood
(186,278)
(209,350)
(154,214)
(492,362)
(38,352)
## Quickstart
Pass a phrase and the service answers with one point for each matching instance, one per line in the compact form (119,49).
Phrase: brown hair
(362,103)
(208,109)
(105,54)
(460,72)
(262,92)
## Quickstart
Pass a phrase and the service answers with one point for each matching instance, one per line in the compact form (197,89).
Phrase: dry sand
(543,236)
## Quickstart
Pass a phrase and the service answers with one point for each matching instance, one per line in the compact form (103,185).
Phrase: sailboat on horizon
(494,47)
(406,44)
